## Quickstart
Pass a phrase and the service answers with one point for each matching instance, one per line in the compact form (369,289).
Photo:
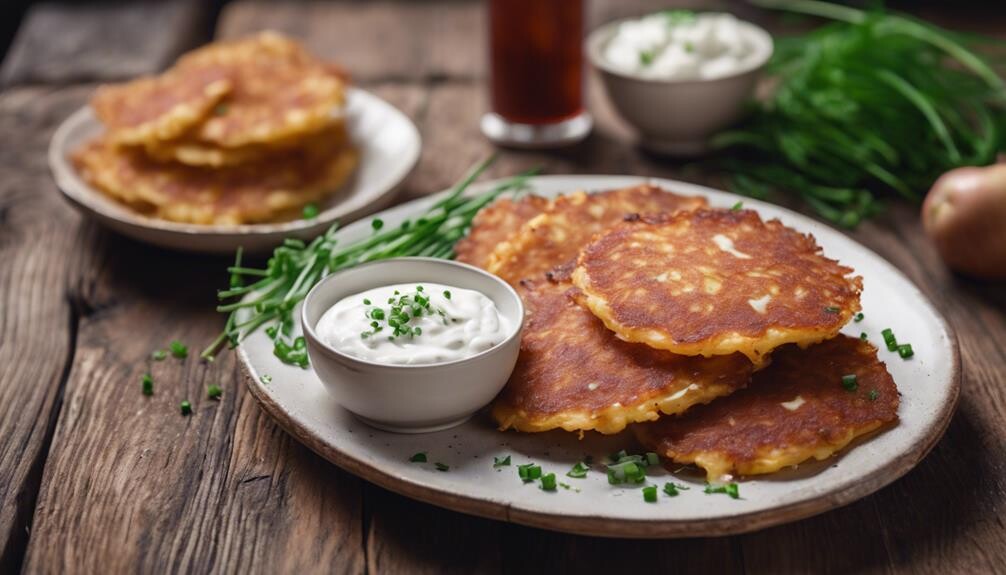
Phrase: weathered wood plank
(38,305)
(375,41)
(132,485)
(60,42)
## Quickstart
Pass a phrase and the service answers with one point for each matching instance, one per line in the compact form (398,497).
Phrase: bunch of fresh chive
(871,102)
(295,267)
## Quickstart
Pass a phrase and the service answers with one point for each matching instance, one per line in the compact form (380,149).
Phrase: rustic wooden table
(97,478)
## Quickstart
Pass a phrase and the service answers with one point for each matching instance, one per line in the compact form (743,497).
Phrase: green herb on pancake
(849,382)
(178,349)
(186,407)
(873,103)
(271,294)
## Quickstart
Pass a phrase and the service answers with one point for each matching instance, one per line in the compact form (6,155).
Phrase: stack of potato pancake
(236,132)
(712,333)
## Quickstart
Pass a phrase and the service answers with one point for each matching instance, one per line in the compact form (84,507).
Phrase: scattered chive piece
(501,462)
(890,340)
(650,494)
(905,351)
(266,379)
(447,294)
(548,482)
(863,336)
(737,207)
(148,384)
(646,57)
(214,392)
(178,349)
(366,301)
(671,489)
(159,355)
(377,223)
(310,211)
(832,309)
(579,471)
(858,317)
(442,466)
(730,489)
(874,394)
(849,382)
(418,457)
(528,472)
(566,485)
(652,458)
(186,407)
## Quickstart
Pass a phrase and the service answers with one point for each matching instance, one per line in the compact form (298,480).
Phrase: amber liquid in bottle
(536,55)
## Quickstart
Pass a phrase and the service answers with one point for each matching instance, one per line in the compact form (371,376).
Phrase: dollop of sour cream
(413,324)
(682,45)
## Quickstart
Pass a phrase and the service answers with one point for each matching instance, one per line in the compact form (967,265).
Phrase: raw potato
(965,216)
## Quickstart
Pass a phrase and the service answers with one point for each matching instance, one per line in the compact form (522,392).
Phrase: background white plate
(929,383)
(389,146)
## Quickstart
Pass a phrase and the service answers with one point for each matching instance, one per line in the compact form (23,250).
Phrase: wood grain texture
(132,485)
(60,43)
(39,304)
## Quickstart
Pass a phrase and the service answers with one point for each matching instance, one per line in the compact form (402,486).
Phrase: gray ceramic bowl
(412,398)
(677,117)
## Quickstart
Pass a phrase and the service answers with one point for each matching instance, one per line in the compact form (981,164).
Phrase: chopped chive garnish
(730,489)
(674,489)
(863,336)
(148,384)
(646,57)
(178,349)
(159,355)
(566,485)
(419,289)
(366,301)
(650,494)
(627,472)
(418,457)
(832,309)
(652,458)
(737,207)
(310,211)
(501,462)
(548,482)
(447,294)
(377,223)
(849,382)
(528,472)
(905,351)
(266,379)
(858,317)
(441,466)
(186,407)
(890,340)
(579,471)
(214,392)
(874,394)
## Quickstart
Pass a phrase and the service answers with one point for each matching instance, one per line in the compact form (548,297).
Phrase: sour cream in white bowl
(413,344)
(679,77)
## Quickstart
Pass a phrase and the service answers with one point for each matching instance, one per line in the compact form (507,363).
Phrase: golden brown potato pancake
(159,108)
(280,92)
(576,375)
(795,409)
(273,189)
(552,240)
(713,282)
(494,224)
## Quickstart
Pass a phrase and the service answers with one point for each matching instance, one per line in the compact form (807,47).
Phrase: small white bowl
(677,117)
(412,398)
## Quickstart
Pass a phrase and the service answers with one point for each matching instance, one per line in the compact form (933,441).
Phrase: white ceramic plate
(929,383)
(389,146)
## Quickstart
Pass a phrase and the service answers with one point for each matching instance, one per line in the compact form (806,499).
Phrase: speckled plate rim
(605,526)
(353,200)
